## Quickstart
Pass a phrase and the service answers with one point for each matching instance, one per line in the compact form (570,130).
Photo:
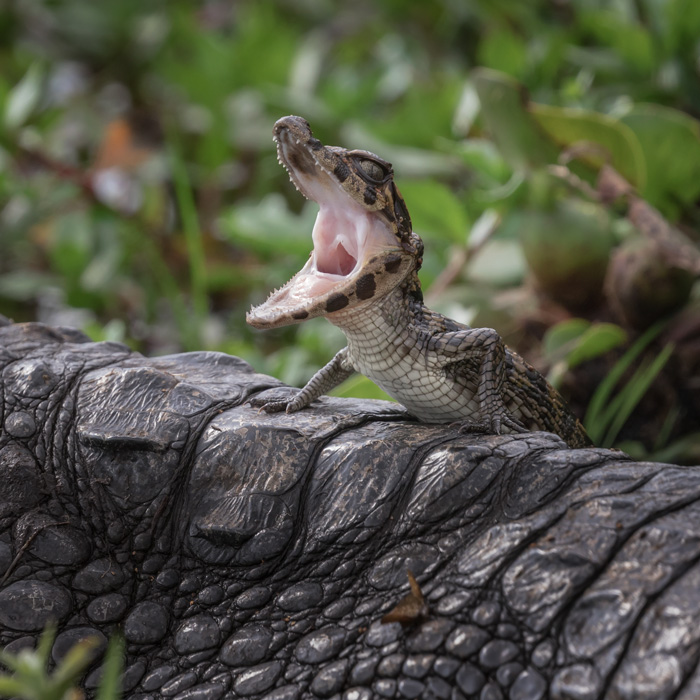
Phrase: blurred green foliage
(29,677)
(140,197)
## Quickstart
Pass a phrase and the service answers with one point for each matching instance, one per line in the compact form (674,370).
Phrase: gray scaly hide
(251,555)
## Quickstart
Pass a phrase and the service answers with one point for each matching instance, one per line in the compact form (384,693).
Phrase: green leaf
(408,161)
(24,98)
(73,243)
(569,126)
(504,110)
(631,40)
(436,210)
(409,122)
(12,687)
(270,229)
(503,50)
(558,339)
(596,341)
(576,340)
(359,387)
(500,263)
(567,246)
(670,140)
(681,20)
(483,156)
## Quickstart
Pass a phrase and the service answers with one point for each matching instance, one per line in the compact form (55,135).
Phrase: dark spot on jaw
(392,263)
(370,195)
(341,171)
(314,144)
(300,315)
(366,286)
(336,302)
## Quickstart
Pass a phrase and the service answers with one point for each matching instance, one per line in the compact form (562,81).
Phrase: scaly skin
(245,555)
(362,277)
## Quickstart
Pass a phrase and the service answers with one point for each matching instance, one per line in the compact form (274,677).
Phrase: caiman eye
(372,169)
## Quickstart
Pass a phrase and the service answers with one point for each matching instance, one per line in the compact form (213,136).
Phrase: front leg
(486,346)
(328,377)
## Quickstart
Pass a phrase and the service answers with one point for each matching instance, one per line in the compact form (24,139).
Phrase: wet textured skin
(253,555)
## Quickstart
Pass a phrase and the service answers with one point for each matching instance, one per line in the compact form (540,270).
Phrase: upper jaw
(293,138)
(347,236)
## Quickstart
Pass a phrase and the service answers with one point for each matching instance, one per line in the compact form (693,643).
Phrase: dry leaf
(411,608)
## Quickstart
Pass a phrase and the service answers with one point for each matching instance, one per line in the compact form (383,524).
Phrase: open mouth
(344,236)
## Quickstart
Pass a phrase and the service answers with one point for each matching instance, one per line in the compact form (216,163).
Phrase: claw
(514,424)
(491,425)
(267,406)
(470,426)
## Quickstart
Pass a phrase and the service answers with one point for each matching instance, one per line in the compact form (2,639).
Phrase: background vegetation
(141,200)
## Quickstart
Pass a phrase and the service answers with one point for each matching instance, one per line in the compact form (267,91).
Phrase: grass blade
(78,658)
(193,236)
(665,432)
(11,687)
(634,391)
(111,671)
(595,420)
(43,650)
(167,285)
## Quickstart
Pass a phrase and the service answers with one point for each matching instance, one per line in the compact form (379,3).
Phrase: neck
(391,314)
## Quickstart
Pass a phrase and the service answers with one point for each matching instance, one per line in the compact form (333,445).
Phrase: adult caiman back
(362,276)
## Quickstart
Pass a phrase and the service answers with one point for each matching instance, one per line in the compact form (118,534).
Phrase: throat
(340,263)
(383,323)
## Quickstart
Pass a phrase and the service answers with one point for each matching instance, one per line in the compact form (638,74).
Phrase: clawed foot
(490,426)
(276,405)
(268,406)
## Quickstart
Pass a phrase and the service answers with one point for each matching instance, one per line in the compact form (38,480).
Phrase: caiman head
(363,243)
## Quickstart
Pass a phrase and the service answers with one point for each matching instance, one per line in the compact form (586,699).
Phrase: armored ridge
(362,277)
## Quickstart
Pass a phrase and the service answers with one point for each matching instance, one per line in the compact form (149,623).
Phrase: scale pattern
(253,556)
(440,370)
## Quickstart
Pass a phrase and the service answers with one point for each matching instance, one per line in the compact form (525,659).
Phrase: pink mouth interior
(342,263)
(339,238)
(344,236)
